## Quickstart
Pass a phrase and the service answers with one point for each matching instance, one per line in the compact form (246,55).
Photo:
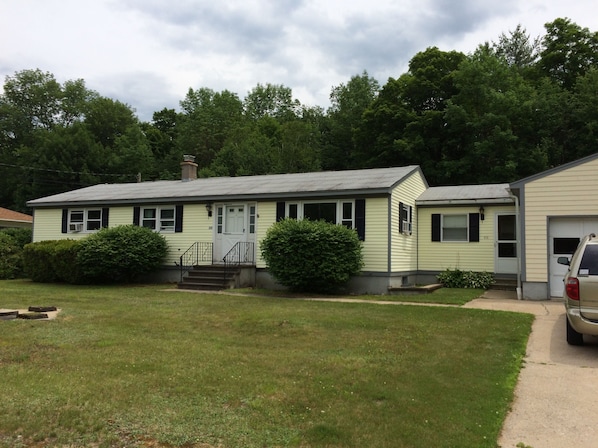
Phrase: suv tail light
(572,288)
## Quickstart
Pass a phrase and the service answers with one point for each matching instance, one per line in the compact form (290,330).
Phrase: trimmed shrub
(120,254)
(11,262)
(64,261)
(311,256)
(465,279)
(37,259)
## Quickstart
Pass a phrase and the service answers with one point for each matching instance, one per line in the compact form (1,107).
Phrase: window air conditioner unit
(76,227)
(406,227)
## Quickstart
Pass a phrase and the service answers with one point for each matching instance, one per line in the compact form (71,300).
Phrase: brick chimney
(188,168)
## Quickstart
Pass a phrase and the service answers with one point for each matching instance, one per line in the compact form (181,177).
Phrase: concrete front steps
(504,284)
(209,278)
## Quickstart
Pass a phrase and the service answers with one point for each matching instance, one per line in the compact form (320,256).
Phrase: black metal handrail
(240,253)
(197,253)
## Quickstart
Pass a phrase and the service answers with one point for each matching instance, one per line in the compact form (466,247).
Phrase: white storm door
(234,227)
(506,244)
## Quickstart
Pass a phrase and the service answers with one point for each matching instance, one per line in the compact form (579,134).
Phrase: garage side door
(563,236)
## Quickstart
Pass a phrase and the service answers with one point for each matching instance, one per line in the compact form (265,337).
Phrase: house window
(158,219)
(252,218)
(454,227)
(405,218)
(86,220)
(335,212)
(347,213)
(317,211)
(219,219)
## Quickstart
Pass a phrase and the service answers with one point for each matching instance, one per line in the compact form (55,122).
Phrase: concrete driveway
(556,398)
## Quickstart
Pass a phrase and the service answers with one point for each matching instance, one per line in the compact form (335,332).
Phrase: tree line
(512,108)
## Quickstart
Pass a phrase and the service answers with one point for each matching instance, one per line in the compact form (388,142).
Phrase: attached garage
(557,208)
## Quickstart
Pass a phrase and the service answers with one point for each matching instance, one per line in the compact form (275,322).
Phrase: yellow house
(411,232)
(222,220)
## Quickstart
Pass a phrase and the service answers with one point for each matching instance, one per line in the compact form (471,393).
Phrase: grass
(140,366)
(444,296)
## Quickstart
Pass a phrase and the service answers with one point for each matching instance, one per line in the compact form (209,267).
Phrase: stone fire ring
(31,313)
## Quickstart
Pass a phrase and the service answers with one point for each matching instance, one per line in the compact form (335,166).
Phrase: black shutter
(360,218)
(105,213)
(65,220)
(474,227)
(136,215)
(178,219)
(401,217)
(435,227)
(280,211)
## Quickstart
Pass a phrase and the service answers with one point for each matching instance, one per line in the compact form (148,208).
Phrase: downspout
(518,242)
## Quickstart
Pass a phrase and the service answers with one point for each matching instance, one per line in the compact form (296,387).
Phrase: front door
(506,244)
(234,227)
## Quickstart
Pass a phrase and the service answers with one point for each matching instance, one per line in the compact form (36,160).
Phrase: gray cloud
(148,53)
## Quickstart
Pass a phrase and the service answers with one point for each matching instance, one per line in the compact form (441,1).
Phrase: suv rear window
(589,261)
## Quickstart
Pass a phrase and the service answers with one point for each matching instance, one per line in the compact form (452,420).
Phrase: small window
(564,246)
(454,227)
(348,216)
(149,218)
(293,211)
(405,218)
(94,219)
(167,219)
(219,219)
(252,219)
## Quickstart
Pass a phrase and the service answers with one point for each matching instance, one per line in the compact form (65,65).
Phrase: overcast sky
(148,53)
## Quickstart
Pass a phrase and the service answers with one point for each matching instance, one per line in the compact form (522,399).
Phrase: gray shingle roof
(338,183)
(465,194)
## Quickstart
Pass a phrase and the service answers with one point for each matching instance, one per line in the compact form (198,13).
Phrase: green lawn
(140,366)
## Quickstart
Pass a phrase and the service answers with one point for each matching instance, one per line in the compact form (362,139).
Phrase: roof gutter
(485,201)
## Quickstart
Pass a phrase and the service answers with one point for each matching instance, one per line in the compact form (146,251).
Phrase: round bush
(311,256)
(120,254)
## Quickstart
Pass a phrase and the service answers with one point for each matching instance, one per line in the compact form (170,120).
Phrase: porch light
(209,208)
(482,212)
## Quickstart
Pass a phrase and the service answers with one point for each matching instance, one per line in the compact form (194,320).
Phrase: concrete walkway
(557,390)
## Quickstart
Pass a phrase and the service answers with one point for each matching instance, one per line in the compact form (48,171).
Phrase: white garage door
(564,234)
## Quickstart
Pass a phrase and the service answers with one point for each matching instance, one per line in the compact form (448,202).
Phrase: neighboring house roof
(466,194)
(272,186)
(7,215)
(520,183)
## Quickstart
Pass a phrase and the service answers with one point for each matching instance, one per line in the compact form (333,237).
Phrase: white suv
(581,290)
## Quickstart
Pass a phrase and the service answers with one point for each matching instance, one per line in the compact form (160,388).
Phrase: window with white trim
(335,212)
(454,227)
(405,218)
(159,219)
(85,220)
